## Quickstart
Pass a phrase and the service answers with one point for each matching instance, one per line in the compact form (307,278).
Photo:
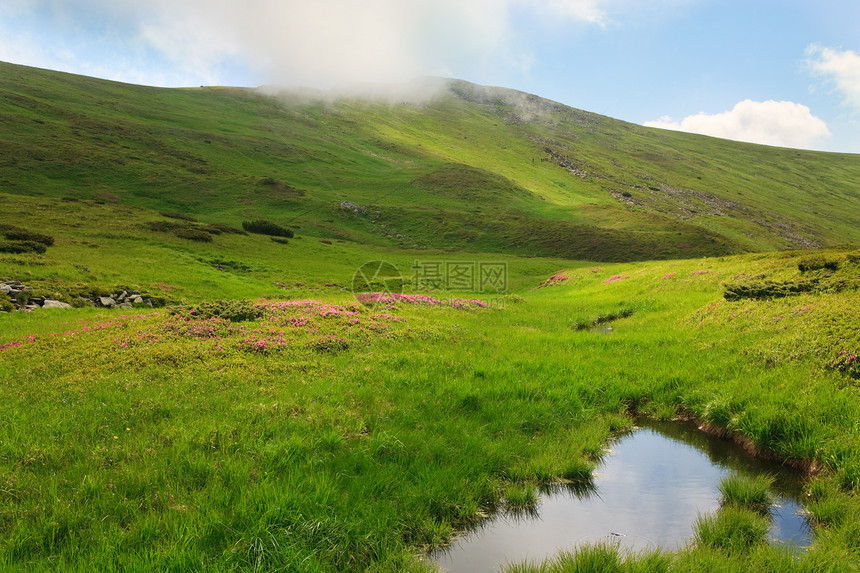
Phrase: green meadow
(262,417)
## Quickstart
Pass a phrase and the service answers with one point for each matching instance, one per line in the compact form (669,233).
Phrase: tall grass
(732,529)
(750,492)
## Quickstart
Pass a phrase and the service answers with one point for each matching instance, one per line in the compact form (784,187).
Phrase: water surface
(647,492)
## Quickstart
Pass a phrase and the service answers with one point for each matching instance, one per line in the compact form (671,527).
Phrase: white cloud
(779,123)
(299,42)
(592,11)
(841,66)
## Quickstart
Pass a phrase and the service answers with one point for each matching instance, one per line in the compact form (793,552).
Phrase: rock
(50,303)
(137,300)
(5,288)
(121,296)
(37,301)
(107,301)
(126,304)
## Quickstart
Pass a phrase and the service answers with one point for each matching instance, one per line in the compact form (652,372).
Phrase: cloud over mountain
(779,123)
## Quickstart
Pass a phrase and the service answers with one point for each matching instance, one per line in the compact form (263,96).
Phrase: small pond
(647,492)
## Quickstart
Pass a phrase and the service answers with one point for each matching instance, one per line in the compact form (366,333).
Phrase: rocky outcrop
(123,299)
(20,298)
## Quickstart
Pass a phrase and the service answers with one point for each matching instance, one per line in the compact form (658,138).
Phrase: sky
(778,72)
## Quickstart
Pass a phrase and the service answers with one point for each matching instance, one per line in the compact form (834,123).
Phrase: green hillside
(461,167)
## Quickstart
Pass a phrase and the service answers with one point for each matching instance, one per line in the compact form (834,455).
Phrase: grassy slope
(136,442)
(230,459)
(487,169)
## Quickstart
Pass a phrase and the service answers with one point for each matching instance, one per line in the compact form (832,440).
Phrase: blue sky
(781,72)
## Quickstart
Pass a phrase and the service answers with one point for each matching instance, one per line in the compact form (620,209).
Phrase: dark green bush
(14,233)
(193,235)
(24,235)
(264,227)
(818,262)
(218,228)
(166,226)
(234,310)
(767,289)
(18,247)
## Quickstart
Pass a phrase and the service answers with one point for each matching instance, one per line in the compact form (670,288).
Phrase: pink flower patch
(615,278)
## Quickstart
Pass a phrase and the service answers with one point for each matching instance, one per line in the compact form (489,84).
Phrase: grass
(283,425)
(747,492)
(598,558)
(521,498)
(182,440)
(732,529)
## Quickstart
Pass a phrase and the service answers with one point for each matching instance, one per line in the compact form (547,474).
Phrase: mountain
(438,164)
(270,414)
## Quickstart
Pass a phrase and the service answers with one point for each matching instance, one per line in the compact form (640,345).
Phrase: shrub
(234,310)
(767,289)
(848,363)
(329,343)
(263,227)
(165,226)
(173,215)
(815,263)
(218,228)
(14,233)
(280,240)
(18,247)
(6,305)
(193,235)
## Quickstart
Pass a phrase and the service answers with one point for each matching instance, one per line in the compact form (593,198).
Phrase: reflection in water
(648,492)
(602,328)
